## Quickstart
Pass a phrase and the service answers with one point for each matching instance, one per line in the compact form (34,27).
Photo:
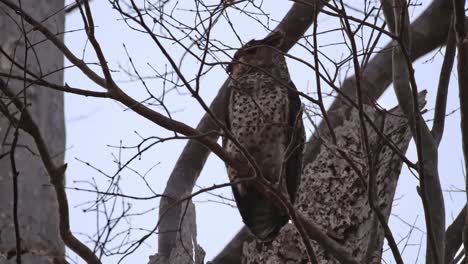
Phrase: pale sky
(93,125)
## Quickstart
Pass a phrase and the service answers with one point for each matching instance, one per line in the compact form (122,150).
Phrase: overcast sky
(95,125)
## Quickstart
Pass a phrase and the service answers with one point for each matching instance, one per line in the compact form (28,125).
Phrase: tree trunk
(37,212)
(333,192)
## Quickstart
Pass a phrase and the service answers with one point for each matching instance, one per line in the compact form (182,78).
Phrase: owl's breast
(258,111)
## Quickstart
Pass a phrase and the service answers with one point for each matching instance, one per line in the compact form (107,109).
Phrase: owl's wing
(263,217)
(296,139)
(227,119)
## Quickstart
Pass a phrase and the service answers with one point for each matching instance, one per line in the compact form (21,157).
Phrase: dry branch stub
(184,252)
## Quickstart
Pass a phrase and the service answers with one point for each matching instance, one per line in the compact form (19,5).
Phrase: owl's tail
(263,218)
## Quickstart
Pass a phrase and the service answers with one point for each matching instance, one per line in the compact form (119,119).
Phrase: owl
(265,117)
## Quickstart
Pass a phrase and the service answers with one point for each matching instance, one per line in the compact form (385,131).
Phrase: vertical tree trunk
(37,207)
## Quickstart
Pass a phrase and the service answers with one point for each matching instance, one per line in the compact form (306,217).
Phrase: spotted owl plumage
(265,117)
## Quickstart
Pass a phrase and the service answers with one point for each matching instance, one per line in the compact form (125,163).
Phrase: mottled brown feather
(265,117)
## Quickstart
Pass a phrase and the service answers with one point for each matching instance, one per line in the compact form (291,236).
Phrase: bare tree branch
(454,236)
(406,91)
(442,89)
(428,31)
(56,176)
(333,191)
(372,187)
(315,237)
(73,7)
(117,94)
(194,155)
(37,216)
(462,46)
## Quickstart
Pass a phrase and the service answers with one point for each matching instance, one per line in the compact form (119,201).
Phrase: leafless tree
(352,160)
(29,213)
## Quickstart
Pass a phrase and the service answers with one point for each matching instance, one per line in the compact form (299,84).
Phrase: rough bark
(37,206)
(333,192)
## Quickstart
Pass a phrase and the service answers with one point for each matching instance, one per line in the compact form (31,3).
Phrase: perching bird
(265,116)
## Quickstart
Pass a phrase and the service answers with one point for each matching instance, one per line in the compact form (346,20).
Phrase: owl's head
(262,53)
